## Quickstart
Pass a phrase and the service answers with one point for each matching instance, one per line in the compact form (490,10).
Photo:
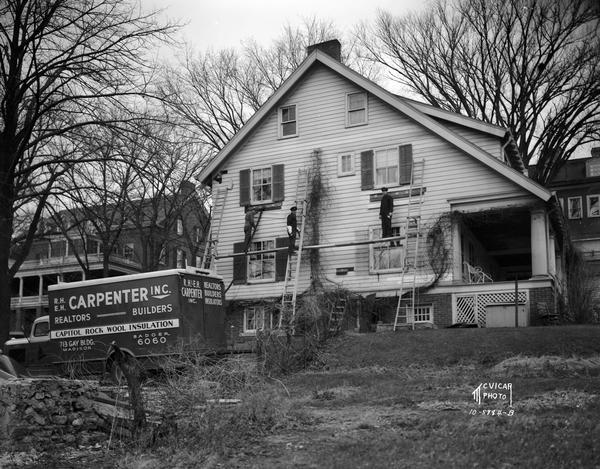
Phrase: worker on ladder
(385,213)
(249,226)
(292,229)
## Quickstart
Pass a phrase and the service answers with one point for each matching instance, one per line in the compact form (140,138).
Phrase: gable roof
(421,113)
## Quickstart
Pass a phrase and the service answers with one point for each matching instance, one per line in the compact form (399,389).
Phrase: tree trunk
(6,220)
(131,370)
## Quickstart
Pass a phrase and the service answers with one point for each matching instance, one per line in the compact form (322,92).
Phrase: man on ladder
(249,227)
(292,229)
(385,213)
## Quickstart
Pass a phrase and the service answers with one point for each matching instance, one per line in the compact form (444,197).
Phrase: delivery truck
(148,316)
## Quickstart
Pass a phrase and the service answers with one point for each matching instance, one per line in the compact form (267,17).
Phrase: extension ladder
(292,270)
(210,248)
(405,308)
(337,315)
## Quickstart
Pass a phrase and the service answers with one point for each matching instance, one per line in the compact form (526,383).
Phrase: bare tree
(215,93)
(164,196)
(91,212)
(530,65)
(61,62)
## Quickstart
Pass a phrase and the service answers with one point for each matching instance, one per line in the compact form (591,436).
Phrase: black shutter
(366,170)
(405,162)
(281,259)
(244,187)
(239,264)
(278,183)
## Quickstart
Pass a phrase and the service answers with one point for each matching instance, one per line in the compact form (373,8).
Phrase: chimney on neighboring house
(595,151)
(332,48)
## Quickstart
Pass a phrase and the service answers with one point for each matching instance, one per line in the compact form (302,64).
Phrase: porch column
(539,244)
(551,255)
(457,269)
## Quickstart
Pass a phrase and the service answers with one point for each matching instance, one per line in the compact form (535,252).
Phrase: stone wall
(43,412)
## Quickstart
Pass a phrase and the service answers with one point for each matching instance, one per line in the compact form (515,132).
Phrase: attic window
(287,121)
(356,109)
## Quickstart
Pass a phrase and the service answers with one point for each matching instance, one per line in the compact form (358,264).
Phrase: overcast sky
(225,23)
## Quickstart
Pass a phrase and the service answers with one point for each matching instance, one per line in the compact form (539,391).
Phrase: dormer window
(288,125)
(356,109)
(593,167)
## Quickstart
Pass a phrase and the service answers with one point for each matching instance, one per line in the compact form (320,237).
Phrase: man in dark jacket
(249,226)
(292,229)
(385,213)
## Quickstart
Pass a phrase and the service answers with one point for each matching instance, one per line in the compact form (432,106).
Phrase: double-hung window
(288,124)
(593,167)
(388,255)
(256,318)
(262,185)
(345,164)
(180,259)
(593,202)
(128,251)
(386,167)
(261,266)
(390,166)
(356,109)
(574,204)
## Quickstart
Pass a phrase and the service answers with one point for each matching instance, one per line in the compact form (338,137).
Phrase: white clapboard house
(475,240)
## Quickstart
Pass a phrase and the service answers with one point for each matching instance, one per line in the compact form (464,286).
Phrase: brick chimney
(596,152)
(332,48)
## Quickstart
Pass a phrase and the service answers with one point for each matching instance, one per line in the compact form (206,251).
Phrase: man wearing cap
(249,225)
(385,213)
(292,228)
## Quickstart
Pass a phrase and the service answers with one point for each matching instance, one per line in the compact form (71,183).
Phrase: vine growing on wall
(438,246)
(317,195)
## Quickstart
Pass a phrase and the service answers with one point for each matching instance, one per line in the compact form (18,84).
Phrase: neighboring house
(477,203)
(55,257)
(577,186)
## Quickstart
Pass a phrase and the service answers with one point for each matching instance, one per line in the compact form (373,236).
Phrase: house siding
(347,210)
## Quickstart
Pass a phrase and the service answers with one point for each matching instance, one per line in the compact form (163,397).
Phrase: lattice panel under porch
(471,308)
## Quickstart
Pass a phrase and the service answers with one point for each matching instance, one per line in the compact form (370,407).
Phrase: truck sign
(146,315)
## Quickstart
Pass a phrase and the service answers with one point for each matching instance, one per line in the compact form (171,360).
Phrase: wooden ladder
(405,309)
(292,270)
(210,248)
(337,315)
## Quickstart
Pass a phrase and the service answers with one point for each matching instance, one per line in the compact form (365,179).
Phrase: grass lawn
(405,400)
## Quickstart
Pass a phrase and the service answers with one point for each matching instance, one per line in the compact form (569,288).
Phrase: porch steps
(412,228)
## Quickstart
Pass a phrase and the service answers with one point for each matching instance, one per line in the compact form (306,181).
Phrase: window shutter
(366,170)
(281,259)
(239,264)
(278,183)
(406,161)
(244,187)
